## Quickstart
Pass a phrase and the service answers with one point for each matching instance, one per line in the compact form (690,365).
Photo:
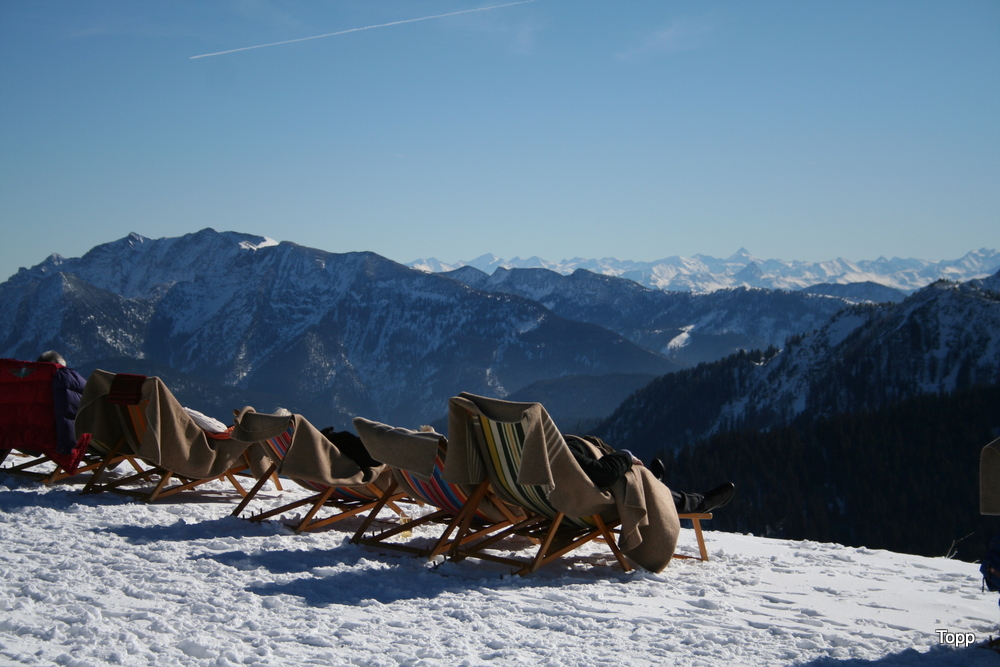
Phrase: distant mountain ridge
(233,317)
(336,335)
(703,273)
(943,338)
(685,327)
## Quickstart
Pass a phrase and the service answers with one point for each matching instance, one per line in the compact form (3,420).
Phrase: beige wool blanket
(645,506)
(171,438)
(310,456)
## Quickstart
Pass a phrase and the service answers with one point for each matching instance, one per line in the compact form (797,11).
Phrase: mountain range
(334,335)
(685,327)
(702,273)
(943,338)
(229,319)
(847,412)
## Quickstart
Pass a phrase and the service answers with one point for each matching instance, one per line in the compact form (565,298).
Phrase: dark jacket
(603,471)
(350,445)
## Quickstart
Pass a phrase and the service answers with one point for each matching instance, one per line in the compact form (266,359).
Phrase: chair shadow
(181,531)
(393,576)
(397,576)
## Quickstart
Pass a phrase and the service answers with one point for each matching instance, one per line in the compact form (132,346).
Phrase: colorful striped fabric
(280,443)
(505,443)
(438,492)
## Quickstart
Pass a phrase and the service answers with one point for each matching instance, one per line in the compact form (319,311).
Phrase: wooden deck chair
(501,447)
(288,445)
(528,464)
(136,418)
(417,462)
(38,404)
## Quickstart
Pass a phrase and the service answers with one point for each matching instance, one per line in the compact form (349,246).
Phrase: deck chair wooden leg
(701,538)
(462,521)
(609,538)
(256,487)
(442,543)
(474,550)
(471,504)
(377,493)
(272,474)
(188,483)
(696,520)
(132,462)
(284,508)
(360,533)
(550,535)
(22,468)
(105,462)
(320,501)
(313,525)
(232,480)
(380,539)
(145,475)
(503,508)
(601,532)
(160,486)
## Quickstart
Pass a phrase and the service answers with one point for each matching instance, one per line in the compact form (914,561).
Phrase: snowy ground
(97,580)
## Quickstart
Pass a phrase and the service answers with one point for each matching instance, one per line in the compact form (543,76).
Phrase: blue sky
(591,128)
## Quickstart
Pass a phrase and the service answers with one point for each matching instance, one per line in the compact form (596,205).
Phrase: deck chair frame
(555,533)
(456,529)
(346,501)
(336,497)
(132,417)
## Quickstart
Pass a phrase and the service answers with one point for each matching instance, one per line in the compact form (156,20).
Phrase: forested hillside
(943,338)
(904,477)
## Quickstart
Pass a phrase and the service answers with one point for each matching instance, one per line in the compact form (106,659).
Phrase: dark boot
(656,467)
(716,498)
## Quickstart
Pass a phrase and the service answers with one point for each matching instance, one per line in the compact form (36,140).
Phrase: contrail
(344,32)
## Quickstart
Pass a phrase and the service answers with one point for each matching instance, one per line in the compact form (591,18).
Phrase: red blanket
(30,418)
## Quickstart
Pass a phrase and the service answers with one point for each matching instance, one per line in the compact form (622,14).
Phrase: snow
(680,340)
(703,273)
(105,580)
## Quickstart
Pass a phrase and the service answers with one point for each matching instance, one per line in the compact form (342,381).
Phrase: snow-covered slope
(943,337)
(101,580)
(703,273)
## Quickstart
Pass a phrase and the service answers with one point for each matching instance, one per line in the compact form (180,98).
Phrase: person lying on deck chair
(68,387)
(610,467)
(351,446)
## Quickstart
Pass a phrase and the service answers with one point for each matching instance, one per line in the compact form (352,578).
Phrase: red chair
(38,405)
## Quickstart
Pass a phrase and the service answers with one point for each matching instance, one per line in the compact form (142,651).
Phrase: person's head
(52,357)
